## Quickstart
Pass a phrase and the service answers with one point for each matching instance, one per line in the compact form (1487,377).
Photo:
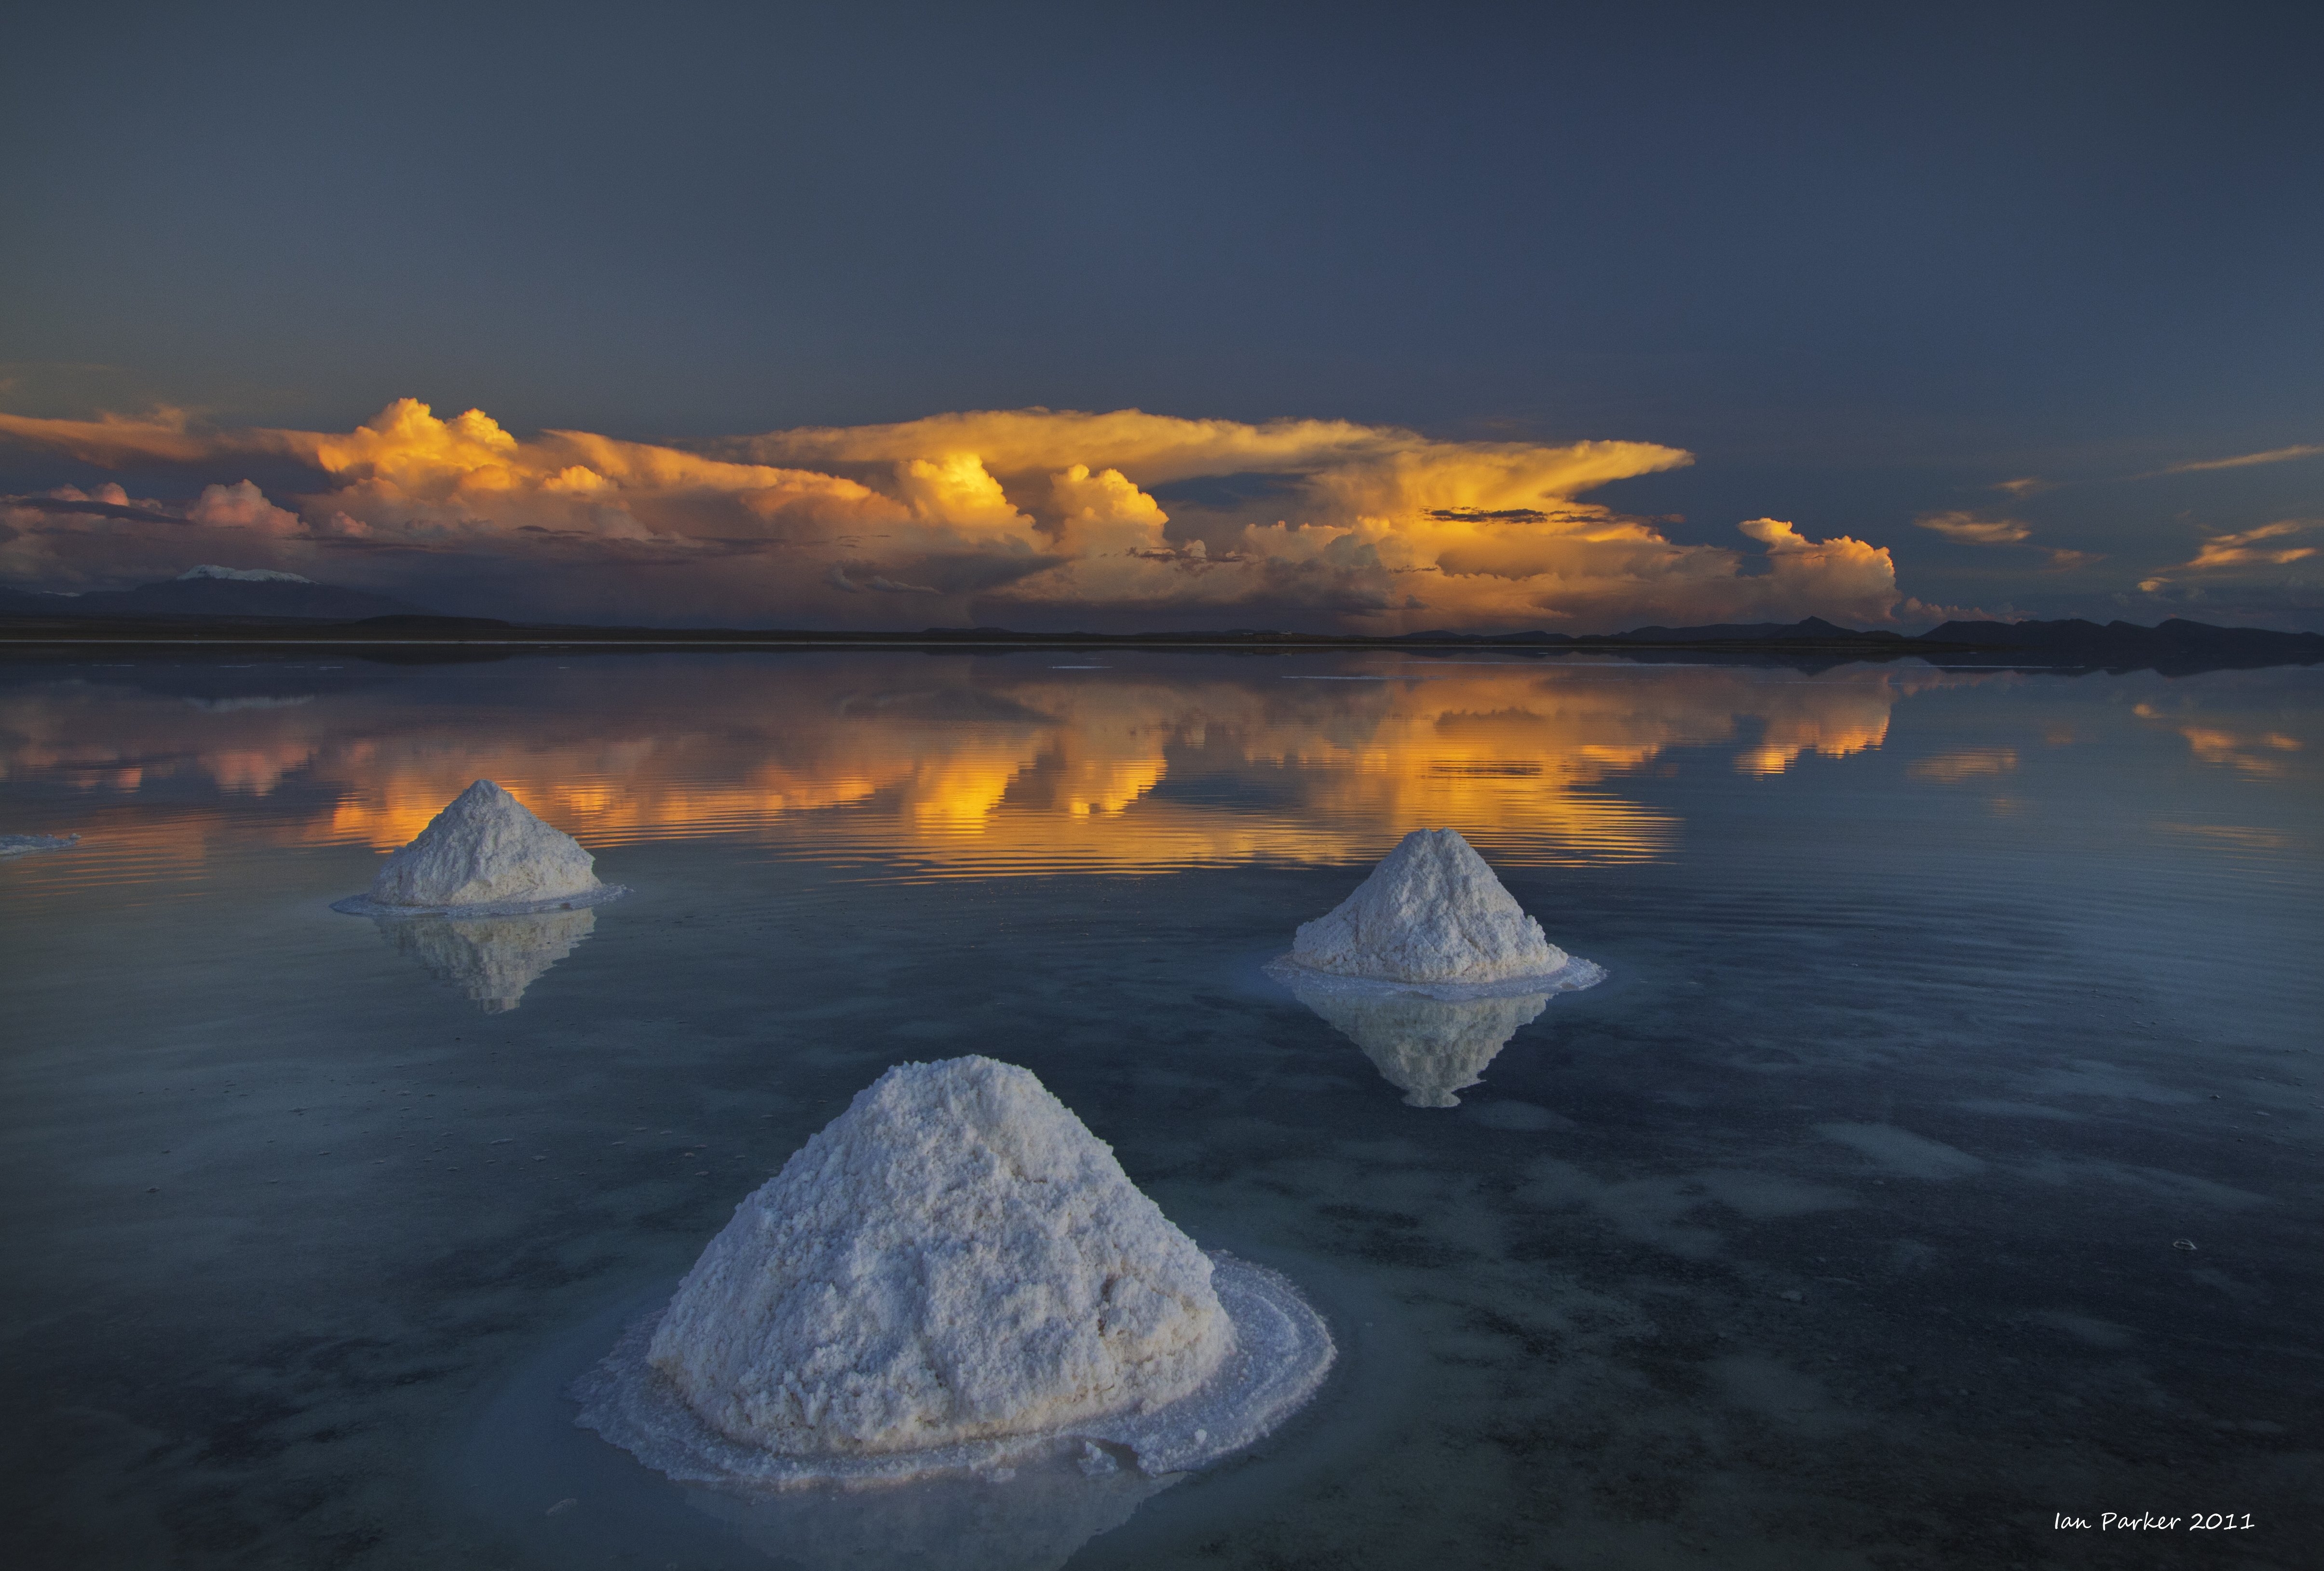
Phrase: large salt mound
(1427,1048)
(953,1273)
(484,855)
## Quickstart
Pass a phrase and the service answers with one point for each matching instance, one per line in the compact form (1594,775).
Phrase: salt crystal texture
(484,855)
(1431,912)
(952,1271)
(1427,1048)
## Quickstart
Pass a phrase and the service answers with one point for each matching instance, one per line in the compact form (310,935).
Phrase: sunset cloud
(2243,551)
(1041,516)
(1973,530)
(2246,460)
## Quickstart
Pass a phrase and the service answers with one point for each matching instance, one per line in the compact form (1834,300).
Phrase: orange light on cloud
(971,515)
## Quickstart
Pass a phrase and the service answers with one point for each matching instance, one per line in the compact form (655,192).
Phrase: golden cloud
(1034,513)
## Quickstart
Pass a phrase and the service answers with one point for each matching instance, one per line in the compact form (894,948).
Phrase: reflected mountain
(491,960)
(1427,1048)
(1031,1522)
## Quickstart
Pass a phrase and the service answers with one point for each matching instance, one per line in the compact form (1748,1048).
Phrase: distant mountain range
(228,604)
(215,592)
(2073,641)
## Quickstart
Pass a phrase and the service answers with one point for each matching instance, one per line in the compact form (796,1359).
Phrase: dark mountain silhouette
(2176,639)
(216,606)
(210,593)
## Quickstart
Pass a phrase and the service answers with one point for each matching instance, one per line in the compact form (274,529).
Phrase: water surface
(1844,1225)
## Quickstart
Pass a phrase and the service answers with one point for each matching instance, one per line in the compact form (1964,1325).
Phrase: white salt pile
(1427,1048)
(484,855)
(954,1275)
(1431,918)
(19,845)
(492,959)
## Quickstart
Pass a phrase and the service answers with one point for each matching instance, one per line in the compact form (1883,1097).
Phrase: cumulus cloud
(1038,516)
(242,506)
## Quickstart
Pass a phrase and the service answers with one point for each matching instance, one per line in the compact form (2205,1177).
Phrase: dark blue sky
(1863,268)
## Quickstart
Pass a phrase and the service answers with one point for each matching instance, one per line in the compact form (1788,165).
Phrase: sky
(1349,318)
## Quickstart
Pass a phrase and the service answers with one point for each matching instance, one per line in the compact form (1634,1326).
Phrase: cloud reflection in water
(925,768)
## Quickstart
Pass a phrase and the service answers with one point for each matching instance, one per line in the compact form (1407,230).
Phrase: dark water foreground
(1844,1226)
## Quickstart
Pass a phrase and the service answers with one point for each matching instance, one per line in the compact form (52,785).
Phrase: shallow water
(1838,1228)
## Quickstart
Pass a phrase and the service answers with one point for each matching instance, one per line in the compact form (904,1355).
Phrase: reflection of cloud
(958,764)
(2260,755)
(1427,1048)
(492,959)
(1969,764)
(1032,513)
(1974,531)
(1841,721)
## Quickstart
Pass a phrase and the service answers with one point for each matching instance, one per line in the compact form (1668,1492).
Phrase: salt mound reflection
(1427,1048)
(1033,1519)
(491,960)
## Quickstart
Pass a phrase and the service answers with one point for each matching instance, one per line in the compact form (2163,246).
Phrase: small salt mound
(1431,912)
(19,845)
(484,855)
(953,1273)
(492,959)
(1427,1048)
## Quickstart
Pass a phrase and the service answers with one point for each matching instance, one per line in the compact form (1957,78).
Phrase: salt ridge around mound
(484,855)
(1433,919)
(952,1275)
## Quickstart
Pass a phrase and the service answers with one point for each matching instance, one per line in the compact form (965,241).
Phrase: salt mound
(484,855)
(1427,1048)
(492,959)
(19,845)
(955,1272)
(1431,913)
(954,1257)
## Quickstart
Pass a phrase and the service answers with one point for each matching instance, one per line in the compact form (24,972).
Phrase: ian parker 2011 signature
(2146,1521)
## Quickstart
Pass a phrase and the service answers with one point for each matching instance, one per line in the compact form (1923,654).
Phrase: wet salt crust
(1431,919)
(954,1276)
(18,845)
(484,855)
